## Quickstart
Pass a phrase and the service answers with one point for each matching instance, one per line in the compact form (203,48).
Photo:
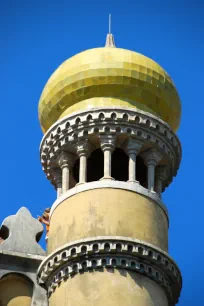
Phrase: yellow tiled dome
(110,77)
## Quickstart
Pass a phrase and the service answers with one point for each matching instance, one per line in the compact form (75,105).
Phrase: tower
(109,116)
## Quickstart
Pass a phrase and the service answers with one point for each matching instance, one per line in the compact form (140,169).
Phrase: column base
(134,181)
(80,183)
(107,178)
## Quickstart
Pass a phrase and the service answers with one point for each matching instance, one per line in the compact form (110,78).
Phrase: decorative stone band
(129,186)
(111,252)
(147,128)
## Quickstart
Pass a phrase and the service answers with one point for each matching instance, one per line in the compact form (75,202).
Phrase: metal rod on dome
(109,38)
(109,23)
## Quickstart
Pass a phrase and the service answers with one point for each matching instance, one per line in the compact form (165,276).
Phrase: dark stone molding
(67,132)
(111,252)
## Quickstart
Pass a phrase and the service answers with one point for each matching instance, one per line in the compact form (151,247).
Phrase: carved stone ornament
(121,123)
(23,232)
(20,253)
(111,252)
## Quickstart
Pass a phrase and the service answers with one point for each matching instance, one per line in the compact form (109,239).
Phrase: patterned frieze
(111,252)
(65,134)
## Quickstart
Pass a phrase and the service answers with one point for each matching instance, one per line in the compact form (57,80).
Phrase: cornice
(92,254)
(67,132)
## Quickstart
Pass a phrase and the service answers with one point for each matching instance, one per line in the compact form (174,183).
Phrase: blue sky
(37,36)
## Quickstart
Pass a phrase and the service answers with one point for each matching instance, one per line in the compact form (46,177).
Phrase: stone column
(65,162)
(58,182)
(82,151)
(107,146)
(159,179)
(151,159)
(133,148)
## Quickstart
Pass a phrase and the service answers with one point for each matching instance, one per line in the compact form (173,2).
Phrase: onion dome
(109,77)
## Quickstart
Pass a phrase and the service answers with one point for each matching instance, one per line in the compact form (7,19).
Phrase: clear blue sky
(37,36)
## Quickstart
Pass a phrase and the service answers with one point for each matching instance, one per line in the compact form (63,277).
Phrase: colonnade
(151,157)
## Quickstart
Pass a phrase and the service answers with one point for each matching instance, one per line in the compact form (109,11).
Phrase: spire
(110,43)
(109,24)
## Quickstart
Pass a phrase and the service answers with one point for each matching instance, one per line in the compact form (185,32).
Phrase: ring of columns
(111,252)
(137,132)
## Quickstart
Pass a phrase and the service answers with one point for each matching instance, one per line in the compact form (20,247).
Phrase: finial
(109,23)
(109,38)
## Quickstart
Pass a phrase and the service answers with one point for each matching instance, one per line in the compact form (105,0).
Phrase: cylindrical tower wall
(108,212)
(109,287)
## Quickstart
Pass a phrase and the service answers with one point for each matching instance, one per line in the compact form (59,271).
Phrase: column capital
(152,157)
(107,142)
(133,146)
(83,148)
(65,159)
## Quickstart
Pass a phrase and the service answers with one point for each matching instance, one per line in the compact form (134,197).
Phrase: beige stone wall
(108,212)
(109,288)
(15,291)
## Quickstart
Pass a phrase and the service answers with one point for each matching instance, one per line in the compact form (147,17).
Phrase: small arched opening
(141,172)
(119,166)
(15,289)
(75,170)
(95,166)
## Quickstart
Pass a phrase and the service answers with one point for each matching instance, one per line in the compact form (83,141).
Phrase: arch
(95,165)
(141,172)
(75,170)
(21,293)
(119,166)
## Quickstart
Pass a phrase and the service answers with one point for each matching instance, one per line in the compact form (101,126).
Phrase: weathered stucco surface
(109,212)
(110,288)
